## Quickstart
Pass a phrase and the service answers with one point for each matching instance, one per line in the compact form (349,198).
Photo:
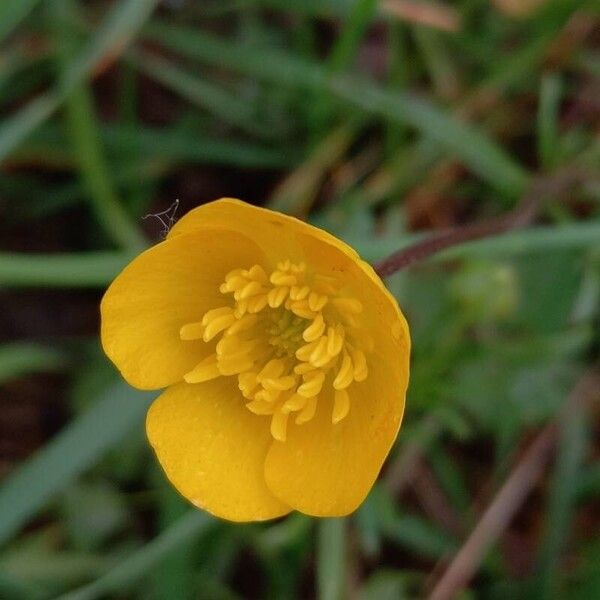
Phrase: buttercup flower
(284,357)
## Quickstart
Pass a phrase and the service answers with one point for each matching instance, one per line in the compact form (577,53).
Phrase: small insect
(166,217)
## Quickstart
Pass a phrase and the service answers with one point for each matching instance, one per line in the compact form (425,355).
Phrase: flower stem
(540,191)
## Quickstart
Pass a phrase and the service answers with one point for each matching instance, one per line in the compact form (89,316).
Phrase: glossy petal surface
(326,470)
(213,450)
(169,285)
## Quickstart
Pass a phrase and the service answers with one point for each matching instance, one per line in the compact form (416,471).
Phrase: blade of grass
(547,120)
(563,496)
(48,146)
(98,269)
(185,530)
(176,571)
(198,91)
(514,243)
(84,133)
(331,559)
(114,33)
(20,358)
(477,151)
(296,193)
(73,450)
(84,269)
(343,52)
(346,46)
(12,12)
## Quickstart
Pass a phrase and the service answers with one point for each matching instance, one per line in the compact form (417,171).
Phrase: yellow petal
(327,470)
(272,231)
(285,237)
(212,449)
(379,314)
(163,289)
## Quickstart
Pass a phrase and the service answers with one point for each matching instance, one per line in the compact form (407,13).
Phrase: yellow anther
(243,324)
(231,347)
(215,326)
(335,340)
(303,353)
(247,383)
(267,395)
(250,289)
(345,374)
(215,313)
(235,273)
(294,403)
(256,304)
(235,366)
(203,371)
(319,356)
(304,367)
(240,308)
(341,406)
(279,426)
(301,309)
(274,368)
(313,382)
(233,284)
(315,330)
(317,301)
(279,278)
(279,383)
(260,407)
(283,343)
(191,331)
(308,412)
(299,293)
(298,268)
(258,274)
(276,297)
(359,363)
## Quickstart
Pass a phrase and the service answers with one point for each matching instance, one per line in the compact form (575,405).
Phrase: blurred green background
(380,121)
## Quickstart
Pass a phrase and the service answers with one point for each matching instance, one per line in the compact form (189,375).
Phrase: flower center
(287,337)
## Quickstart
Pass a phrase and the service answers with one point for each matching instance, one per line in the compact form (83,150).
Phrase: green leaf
(77,447)
(20,358)
(478,152)
(12,12)
(186,529)
(118,28)
(84,131)
(83,269)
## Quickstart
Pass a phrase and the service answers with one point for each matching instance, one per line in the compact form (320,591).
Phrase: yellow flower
(284,356)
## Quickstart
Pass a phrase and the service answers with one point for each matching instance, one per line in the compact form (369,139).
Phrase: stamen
(341,406)
(204,371)
(279,425)
(286,335)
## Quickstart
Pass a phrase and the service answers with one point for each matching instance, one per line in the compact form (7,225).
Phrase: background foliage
(380,121)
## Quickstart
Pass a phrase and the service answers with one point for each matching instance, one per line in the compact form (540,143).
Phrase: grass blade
(12,12)
(20,358)
(477,151)
(547,120)
(563,496)
(74,449)
(85,139)
(91,269)
(185,530)
(115,32)
(331,559)
(515,243)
